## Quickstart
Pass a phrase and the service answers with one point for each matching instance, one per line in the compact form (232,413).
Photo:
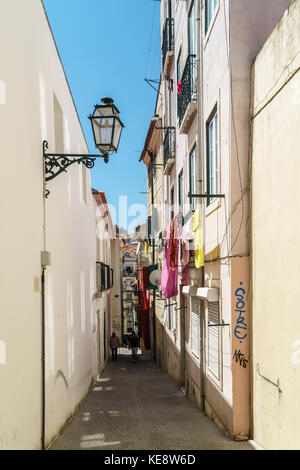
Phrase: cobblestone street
(139,407)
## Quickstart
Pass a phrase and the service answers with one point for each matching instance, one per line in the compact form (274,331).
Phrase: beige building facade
(207,52)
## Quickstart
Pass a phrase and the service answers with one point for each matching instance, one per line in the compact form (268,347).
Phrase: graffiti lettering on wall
(240,330)
(240,357)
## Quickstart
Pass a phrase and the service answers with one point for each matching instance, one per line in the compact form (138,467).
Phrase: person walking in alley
(133,345)
(114,344)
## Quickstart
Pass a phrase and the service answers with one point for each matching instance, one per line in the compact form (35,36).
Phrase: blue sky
(108,47)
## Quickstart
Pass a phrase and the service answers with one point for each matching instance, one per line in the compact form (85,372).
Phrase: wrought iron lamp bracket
(56,163)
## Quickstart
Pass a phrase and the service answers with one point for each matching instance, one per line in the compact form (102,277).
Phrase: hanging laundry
(198,238)
(146,248)
(179,87)
(185,275)
(169,277)
(186,235)
(172,242)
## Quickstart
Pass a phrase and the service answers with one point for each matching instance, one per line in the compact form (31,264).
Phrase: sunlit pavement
(138,406)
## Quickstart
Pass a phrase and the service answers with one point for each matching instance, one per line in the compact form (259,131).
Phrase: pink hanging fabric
(172,242)
(169,277)
(185,253)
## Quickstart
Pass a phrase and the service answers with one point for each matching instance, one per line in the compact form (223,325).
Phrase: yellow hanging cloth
(146,248)
(198,238)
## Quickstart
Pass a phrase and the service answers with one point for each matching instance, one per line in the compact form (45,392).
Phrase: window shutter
(195,326)
(98,276)
(214,339)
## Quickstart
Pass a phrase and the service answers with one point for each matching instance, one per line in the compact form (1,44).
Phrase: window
(195,326)
(169,8)
(192,42)
(98,277)
(193,178)
(212,156)
(192,29)
(172,203)
(214,339)
(210,10)
(101,277)
(180,195)
(153,159)
(170,109)
(178,66)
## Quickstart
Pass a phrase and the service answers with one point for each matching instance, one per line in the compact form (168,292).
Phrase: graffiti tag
(240,357)
(240,330)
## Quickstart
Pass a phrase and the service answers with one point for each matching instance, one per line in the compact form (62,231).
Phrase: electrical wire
(150,43)
(272,88)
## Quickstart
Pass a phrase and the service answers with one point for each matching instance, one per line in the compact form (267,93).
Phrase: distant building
(129,280)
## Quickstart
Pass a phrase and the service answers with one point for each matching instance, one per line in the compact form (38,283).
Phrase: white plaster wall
(275,237)
(31,73)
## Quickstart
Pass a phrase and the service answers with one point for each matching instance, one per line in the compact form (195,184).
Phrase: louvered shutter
(195,326)
(214,333)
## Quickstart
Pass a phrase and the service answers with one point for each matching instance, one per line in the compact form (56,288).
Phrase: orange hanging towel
(198,238)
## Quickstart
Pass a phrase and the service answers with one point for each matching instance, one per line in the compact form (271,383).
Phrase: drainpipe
(153,257)
(45,261)
(43,361)
(200,147)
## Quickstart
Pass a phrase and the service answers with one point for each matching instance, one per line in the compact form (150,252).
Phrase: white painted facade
(36,105)
(275,234)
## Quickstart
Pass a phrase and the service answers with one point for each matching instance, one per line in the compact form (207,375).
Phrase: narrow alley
(149,202)
(139,407)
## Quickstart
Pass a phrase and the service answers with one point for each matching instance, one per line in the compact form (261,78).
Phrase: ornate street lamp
(107,128)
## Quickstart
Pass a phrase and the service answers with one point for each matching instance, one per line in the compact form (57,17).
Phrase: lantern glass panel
(117,133)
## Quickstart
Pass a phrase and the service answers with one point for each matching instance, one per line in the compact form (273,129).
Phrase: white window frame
(213,6)
(193,181)
(213,163)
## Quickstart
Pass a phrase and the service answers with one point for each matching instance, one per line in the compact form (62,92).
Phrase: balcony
(167,48)
(187,99)
(169,150)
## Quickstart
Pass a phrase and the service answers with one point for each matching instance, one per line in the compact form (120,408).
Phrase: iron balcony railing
(188,93)
(169,144)
(168,39)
